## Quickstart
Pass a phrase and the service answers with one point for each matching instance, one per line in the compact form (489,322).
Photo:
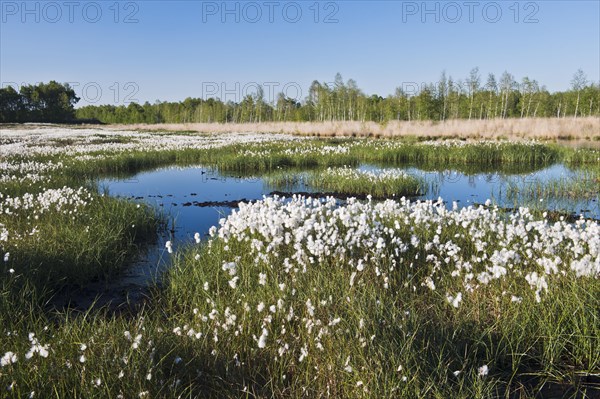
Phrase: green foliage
(44,102)
(339,101)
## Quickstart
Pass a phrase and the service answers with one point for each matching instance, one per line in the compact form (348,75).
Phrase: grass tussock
(349,181)
(375,320)
(77,244)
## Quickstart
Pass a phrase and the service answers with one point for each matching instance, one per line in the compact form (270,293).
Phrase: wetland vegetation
(299,297)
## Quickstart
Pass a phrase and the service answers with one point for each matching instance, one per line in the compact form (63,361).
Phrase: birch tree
(578,82)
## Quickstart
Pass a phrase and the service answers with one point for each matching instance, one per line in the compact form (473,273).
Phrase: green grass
(442,154)
(411,326)
(525,344)
(73,249)
(379,184)
(585,186)
(575,194)
(273,156)
(349,181)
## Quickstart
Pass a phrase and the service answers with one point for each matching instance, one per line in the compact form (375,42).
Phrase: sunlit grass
(378,330)
(375,330)
(348,181)
(582,186)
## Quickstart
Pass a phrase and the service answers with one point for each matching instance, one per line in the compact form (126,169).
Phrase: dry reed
(528,128)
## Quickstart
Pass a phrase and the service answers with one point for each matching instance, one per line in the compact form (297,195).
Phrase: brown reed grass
(587,128)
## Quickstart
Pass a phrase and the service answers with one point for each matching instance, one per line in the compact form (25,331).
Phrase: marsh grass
(287,181)
(584,187)
(480,154)
(349,181)
(78,243)
(470,158)
(69,249)
(268,157)
(575,194)
(409,343)
(314,154)
(379,184)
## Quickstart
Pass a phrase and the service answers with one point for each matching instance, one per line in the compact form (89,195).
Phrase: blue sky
(170,50)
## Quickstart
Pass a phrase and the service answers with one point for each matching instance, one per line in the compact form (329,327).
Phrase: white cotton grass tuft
(429,283)
(233,282)
(36,347)
(230,267)
(8,359)
(262,278)
(262,340)
(483,370)
(516,299)
(454,300)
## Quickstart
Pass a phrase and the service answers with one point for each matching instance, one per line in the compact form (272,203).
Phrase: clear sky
(169,50)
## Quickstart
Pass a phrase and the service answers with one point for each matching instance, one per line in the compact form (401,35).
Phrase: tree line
(45,102)
(468,98)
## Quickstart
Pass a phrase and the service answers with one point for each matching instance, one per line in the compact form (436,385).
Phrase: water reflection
(195,198)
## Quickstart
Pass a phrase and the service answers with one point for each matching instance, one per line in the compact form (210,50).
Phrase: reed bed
(586,129)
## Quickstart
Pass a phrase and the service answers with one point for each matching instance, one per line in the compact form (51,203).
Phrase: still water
(194,198)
